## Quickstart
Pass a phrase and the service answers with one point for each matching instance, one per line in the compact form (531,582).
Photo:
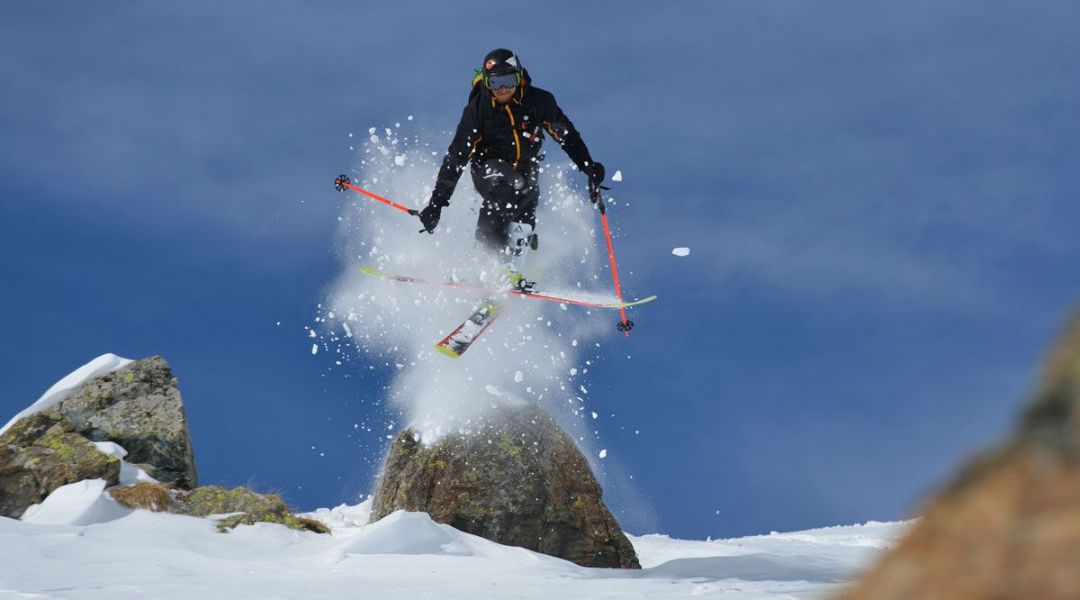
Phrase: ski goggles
(508,80)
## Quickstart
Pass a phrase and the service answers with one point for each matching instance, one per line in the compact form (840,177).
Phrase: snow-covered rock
(113,419)
(106,363)
(516,479)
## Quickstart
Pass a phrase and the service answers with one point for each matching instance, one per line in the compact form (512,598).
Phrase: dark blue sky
(880,199)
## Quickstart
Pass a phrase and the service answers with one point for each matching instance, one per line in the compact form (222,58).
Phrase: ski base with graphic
(461,338)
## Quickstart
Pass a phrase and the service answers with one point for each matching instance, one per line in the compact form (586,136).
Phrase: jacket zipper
(517,142)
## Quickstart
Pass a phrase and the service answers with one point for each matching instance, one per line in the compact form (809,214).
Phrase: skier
(501,131)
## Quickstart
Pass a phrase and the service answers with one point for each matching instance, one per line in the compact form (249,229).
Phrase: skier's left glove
(596,172)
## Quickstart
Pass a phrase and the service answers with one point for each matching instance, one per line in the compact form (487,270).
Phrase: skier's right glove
(429,217)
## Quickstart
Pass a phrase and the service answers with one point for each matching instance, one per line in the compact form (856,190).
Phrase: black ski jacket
(512,132)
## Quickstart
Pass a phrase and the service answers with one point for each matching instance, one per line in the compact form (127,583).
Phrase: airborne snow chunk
(682,251)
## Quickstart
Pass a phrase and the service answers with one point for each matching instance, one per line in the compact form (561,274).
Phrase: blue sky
(880,201)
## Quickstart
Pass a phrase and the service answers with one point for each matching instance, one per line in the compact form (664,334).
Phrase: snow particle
(518,377)
(603,453)
(617,176)
(681,251)
(314,349)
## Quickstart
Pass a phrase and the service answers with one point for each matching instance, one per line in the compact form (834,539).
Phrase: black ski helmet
(501,61)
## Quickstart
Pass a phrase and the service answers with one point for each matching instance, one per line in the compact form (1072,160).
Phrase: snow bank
(409,533)
(88,553)
(101,365)
(82,503)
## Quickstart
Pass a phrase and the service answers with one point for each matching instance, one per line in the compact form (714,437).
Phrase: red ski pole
(624,325)
(343,182)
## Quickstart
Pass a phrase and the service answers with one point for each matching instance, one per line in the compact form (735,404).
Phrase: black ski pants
(509,196)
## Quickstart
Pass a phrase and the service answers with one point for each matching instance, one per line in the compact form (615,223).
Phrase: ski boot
(520,237)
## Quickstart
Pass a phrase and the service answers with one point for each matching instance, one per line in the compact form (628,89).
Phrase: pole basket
(625,326)
(340,182)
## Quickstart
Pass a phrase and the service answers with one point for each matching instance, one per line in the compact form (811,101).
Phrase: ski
(536,295)
(461,338)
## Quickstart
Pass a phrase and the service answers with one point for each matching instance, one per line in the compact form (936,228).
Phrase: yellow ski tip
(370,271)
(636,302)
(447,351)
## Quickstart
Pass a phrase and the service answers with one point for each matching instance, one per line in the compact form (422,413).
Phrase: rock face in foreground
(1009,525)
(137,406)
(518,480)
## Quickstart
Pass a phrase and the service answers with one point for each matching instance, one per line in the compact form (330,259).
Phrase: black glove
(430,216)
(596,173)
(431,213)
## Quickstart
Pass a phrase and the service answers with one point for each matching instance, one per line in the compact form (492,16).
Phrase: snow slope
(115,553)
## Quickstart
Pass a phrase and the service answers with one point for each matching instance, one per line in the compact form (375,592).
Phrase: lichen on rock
(41,453)
(252,507)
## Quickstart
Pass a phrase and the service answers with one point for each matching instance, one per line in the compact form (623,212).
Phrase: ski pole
(343,182)
(624,325)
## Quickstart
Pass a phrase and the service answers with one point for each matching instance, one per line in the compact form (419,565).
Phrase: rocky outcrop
(1008,526)
(517,480)
(137,406)
(41,453)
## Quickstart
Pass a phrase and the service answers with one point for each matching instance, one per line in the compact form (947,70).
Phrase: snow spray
(535,353)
